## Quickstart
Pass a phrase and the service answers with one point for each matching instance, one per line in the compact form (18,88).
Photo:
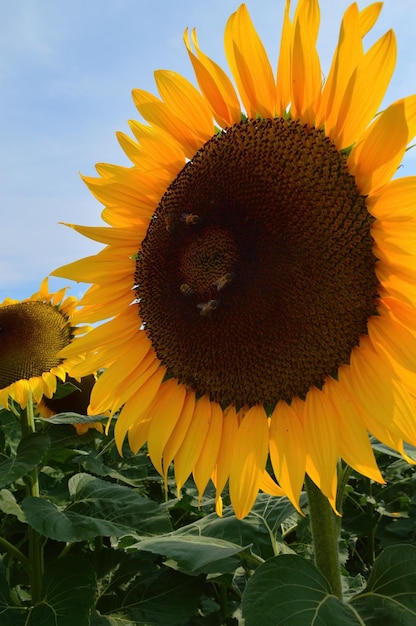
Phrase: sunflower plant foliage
(256,292)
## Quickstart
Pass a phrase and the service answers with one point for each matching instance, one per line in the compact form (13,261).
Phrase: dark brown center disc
(31,335)
(257,277)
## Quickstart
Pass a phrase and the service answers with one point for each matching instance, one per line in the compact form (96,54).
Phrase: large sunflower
(258,278)
(32,332)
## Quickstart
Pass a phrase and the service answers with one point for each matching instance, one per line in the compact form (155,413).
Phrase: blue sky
(66,74)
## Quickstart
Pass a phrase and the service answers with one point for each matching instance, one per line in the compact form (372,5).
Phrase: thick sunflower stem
(325,534)
(36,556)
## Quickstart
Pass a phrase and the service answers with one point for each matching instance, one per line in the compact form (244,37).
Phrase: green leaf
(194,555)
(100,508)
(170,598)
(9,615)
(259,529)
(64,389)
(72,418)
(8,505)
(289,590)
(390,596)
(30,453)
(68,594)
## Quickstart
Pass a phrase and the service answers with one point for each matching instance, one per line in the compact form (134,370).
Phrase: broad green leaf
(390,595)
(288,590)
(170,598)
(9,615)
(30,452)
(72,418)
(94,464)
(67,594)
(64,389)
(259,528)
(9,505)
(98,508)
(137,589)
(194,555)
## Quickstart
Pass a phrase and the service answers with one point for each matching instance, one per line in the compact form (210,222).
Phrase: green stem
(13,551)
(36,557)
(325,533)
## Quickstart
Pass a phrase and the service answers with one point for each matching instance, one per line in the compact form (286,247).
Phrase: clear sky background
(67,68)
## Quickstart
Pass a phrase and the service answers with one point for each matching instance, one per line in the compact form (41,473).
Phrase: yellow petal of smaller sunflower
(321,433)
(20,391)
(375,158)
(179,433)
(209,453)
(354,443)
(226,452)
(136,407)
(287,451)
(306,68)
(38,388)
(249,65)
(365,90)
(249,461)
(4,397)
(166,410)
(214,84)
(190,450)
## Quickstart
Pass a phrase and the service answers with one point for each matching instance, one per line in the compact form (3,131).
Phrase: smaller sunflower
(32,332)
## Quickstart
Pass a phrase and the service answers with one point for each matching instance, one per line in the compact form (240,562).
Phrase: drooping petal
(287,451)
(190,450)
(209,453)
(249,460)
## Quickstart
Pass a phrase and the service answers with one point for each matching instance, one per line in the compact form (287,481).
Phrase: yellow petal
(215,85)
(179,433)
(249,462)
(249,65)
(209,453)
(365,90)
(284,67)
(321,433)
(137,406)
(376,156)
(185,102)
(190,450)
(354,443)
(377,390)
(287,451)
(268,485)
(306,68)
(166,410)
(159,114)
(226,452)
